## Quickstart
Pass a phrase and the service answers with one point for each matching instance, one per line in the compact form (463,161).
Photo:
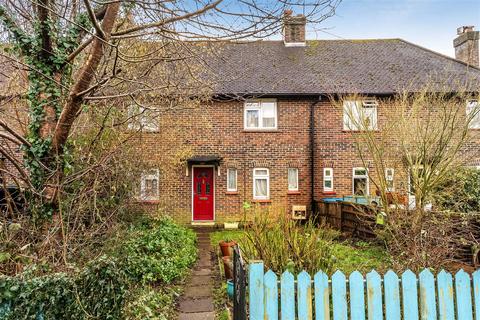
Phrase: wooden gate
(392,297)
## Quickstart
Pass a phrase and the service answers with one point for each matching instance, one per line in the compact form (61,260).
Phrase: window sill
(293,192)
(329,193)
(262,201)
(231,192)
(261,130)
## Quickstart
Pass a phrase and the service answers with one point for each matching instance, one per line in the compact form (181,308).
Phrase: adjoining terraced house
(274,138)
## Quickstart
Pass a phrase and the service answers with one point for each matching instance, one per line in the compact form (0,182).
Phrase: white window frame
(360,176)
(473,105)
(392,179)
(257,105)
(138,119)
(259,176)
(296,177)
(327,178)
(234,170)
(149,175)
(357,108)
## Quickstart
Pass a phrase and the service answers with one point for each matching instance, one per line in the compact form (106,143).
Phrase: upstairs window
(149,185)
(360,182)
(260,115)
(231,180)
(389,178)
(327,179)
(140,118)
(473,114)
(360,115)
(292,179)
(261,184)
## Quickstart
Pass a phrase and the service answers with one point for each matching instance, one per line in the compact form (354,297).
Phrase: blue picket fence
(394,297)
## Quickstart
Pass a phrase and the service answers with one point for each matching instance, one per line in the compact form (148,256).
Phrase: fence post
(255,290)
(239,286)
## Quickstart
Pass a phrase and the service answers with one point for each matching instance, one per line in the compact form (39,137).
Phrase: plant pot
(228,267)
(226,248)
(230,289)
(230,225)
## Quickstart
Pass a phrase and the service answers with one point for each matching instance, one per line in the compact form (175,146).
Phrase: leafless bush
(419,239)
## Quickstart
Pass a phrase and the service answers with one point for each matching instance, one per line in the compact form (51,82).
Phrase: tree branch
(85,77)
(167,21)
(93,18)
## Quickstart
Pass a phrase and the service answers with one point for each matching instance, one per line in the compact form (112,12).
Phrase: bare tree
(76,53)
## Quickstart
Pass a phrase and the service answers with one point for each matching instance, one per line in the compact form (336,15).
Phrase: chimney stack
(294,29)
(466,45)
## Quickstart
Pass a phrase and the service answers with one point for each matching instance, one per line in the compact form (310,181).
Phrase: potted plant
(226,246)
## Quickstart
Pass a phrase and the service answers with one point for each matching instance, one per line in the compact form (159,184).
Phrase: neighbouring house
(271,137)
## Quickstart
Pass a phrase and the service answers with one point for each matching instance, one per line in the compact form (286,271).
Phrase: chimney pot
(466,45)
(294,29)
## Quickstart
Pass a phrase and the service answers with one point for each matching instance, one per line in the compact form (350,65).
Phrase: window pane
(360,186)
(473,111)
(292,179)
(207,188)
(328,184)
(261,172)
(360,172)
(252,118)
(261,187)
(268,122)
(232,179)
(328,172)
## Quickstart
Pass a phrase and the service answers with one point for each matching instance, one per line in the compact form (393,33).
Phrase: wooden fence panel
(357,296)
(287,287)
(392,296)
(476,293)
(322,297)
(304,296)
(446,308)
(464,295)
(410,295)
(393,299)
(339,296)
(374,296)
(271,295)
(256,292)
(428,309)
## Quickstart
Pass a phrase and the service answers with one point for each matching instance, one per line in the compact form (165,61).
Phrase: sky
(428,23)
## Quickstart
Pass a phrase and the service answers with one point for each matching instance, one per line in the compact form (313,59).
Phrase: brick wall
(217,129)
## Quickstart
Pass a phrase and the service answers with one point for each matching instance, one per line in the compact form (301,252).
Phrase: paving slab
(202,272)
(200,281)
(196,292)
(197,316)
(196,305)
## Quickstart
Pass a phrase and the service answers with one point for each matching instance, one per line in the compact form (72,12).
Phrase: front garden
(138,277)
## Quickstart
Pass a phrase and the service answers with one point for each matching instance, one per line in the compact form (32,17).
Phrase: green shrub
(158,251)
(98,292)
(285,244)
(460,192)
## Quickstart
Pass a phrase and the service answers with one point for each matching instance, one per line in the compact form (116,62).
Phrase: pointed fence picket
(356,297)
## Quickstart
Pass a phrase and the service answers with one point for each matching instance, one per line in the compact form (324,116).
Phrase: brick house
(272,138)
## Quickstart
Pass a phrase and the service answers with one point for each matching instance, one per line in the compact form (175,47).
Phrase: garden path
(196,303)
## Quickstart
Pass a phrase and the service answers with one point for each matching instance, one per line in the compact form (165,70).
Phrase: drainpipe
(312,154)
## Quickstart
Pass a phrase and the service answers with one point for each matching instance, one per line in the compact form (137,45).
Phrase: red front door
(203,193)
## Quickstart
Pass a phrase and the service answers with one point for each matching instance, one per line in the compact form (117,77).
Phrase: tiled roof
(335,66)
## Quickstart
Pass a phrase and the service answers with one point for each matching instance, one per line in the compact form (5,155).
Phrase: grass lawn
(349,255)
